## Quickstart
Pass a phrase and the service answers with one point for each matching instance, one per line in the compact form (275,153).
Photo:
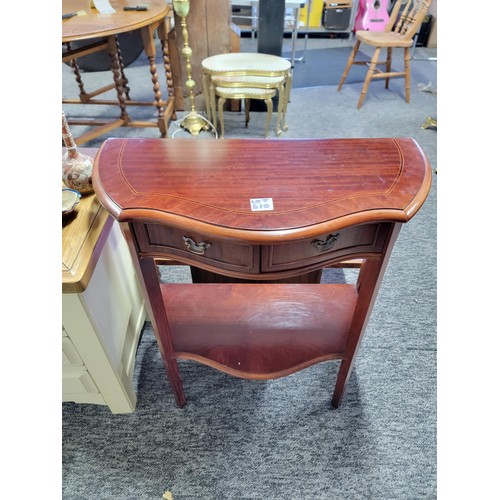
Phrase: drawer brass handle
(197,248)
(324,245)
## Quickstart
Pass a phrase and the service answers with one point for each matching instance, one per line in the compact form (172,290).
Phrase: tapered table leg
(369,281)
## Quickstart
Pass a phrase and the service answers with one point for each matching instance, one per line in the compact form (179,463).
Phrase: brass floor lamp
(193,122)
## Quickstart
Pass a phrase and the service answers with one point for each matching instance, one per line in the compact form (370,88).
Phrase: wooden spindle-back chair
(403,25)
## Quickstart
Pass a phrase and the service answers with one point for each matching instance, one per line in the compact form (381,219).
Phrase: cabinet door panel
(70,356)
(78,381)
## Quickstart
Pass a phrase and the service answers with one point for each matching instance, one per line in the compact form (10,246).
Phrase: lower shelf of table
(259,331)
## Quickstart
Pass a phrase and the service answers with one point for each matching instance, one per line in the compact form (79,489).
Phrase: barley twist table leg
(149,48)
(115,67)
(124,80)
(78,77)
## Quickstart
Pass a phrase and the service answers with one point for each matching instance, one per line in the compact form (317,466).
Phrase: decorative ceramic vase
(76,166)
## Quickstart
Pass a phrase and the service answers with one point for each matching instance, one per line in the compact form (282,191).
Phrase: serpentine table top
(315,185)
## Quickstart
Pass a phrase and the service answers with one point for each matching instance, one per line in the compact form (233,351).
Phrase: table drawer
(198,247)
(356,240)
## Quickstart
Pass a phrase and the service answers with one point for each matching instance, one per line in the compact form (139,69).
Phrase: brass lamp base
(193,123)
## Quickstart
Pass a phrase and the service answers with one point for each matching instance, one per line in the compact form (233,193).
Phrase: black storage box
(337,16)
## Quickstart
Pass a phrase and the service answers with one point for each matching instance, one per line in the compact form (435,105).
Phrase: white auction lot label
(261,204)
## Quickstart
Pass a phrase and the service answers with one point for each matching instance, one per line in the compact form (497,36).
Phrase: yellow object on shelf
(314,16)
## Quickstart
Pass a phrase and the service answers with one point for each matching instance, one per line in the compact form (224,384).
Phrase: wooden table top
(83,234)
(316,185)
(94,24)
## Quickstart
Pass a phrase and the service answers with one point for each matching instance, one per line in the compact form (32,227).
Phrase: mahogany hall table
(101,30)
(254,209)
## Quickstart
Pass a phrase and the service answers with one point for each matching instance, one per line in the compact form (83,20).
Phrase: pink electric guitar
(372,15)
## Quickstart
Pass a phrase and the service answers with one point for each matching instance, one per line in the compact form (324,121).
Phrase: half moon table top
(262,190)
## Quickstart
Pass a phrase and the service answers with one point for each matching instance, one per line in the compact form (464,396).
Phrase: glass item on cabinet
(76,167)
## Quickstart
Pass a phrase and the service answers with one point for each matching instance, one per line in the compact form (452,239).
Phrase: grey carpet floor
(280,439)
(324,67)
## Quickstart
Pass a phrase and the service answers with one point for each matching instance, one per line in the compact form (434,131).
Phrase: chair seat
(383,39)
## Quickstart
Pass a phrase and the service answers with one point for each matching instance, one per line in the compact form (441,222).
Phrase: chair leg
(350,61)
(388,65)
(222,100)
(407,73)
(213,105)
(286,99)
(279,118)
(269,103)
(369,74)
(247,112)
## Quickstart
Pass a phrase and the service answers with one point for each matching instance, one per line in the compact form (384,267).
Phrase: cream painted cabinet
(101,330)
(103,311)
